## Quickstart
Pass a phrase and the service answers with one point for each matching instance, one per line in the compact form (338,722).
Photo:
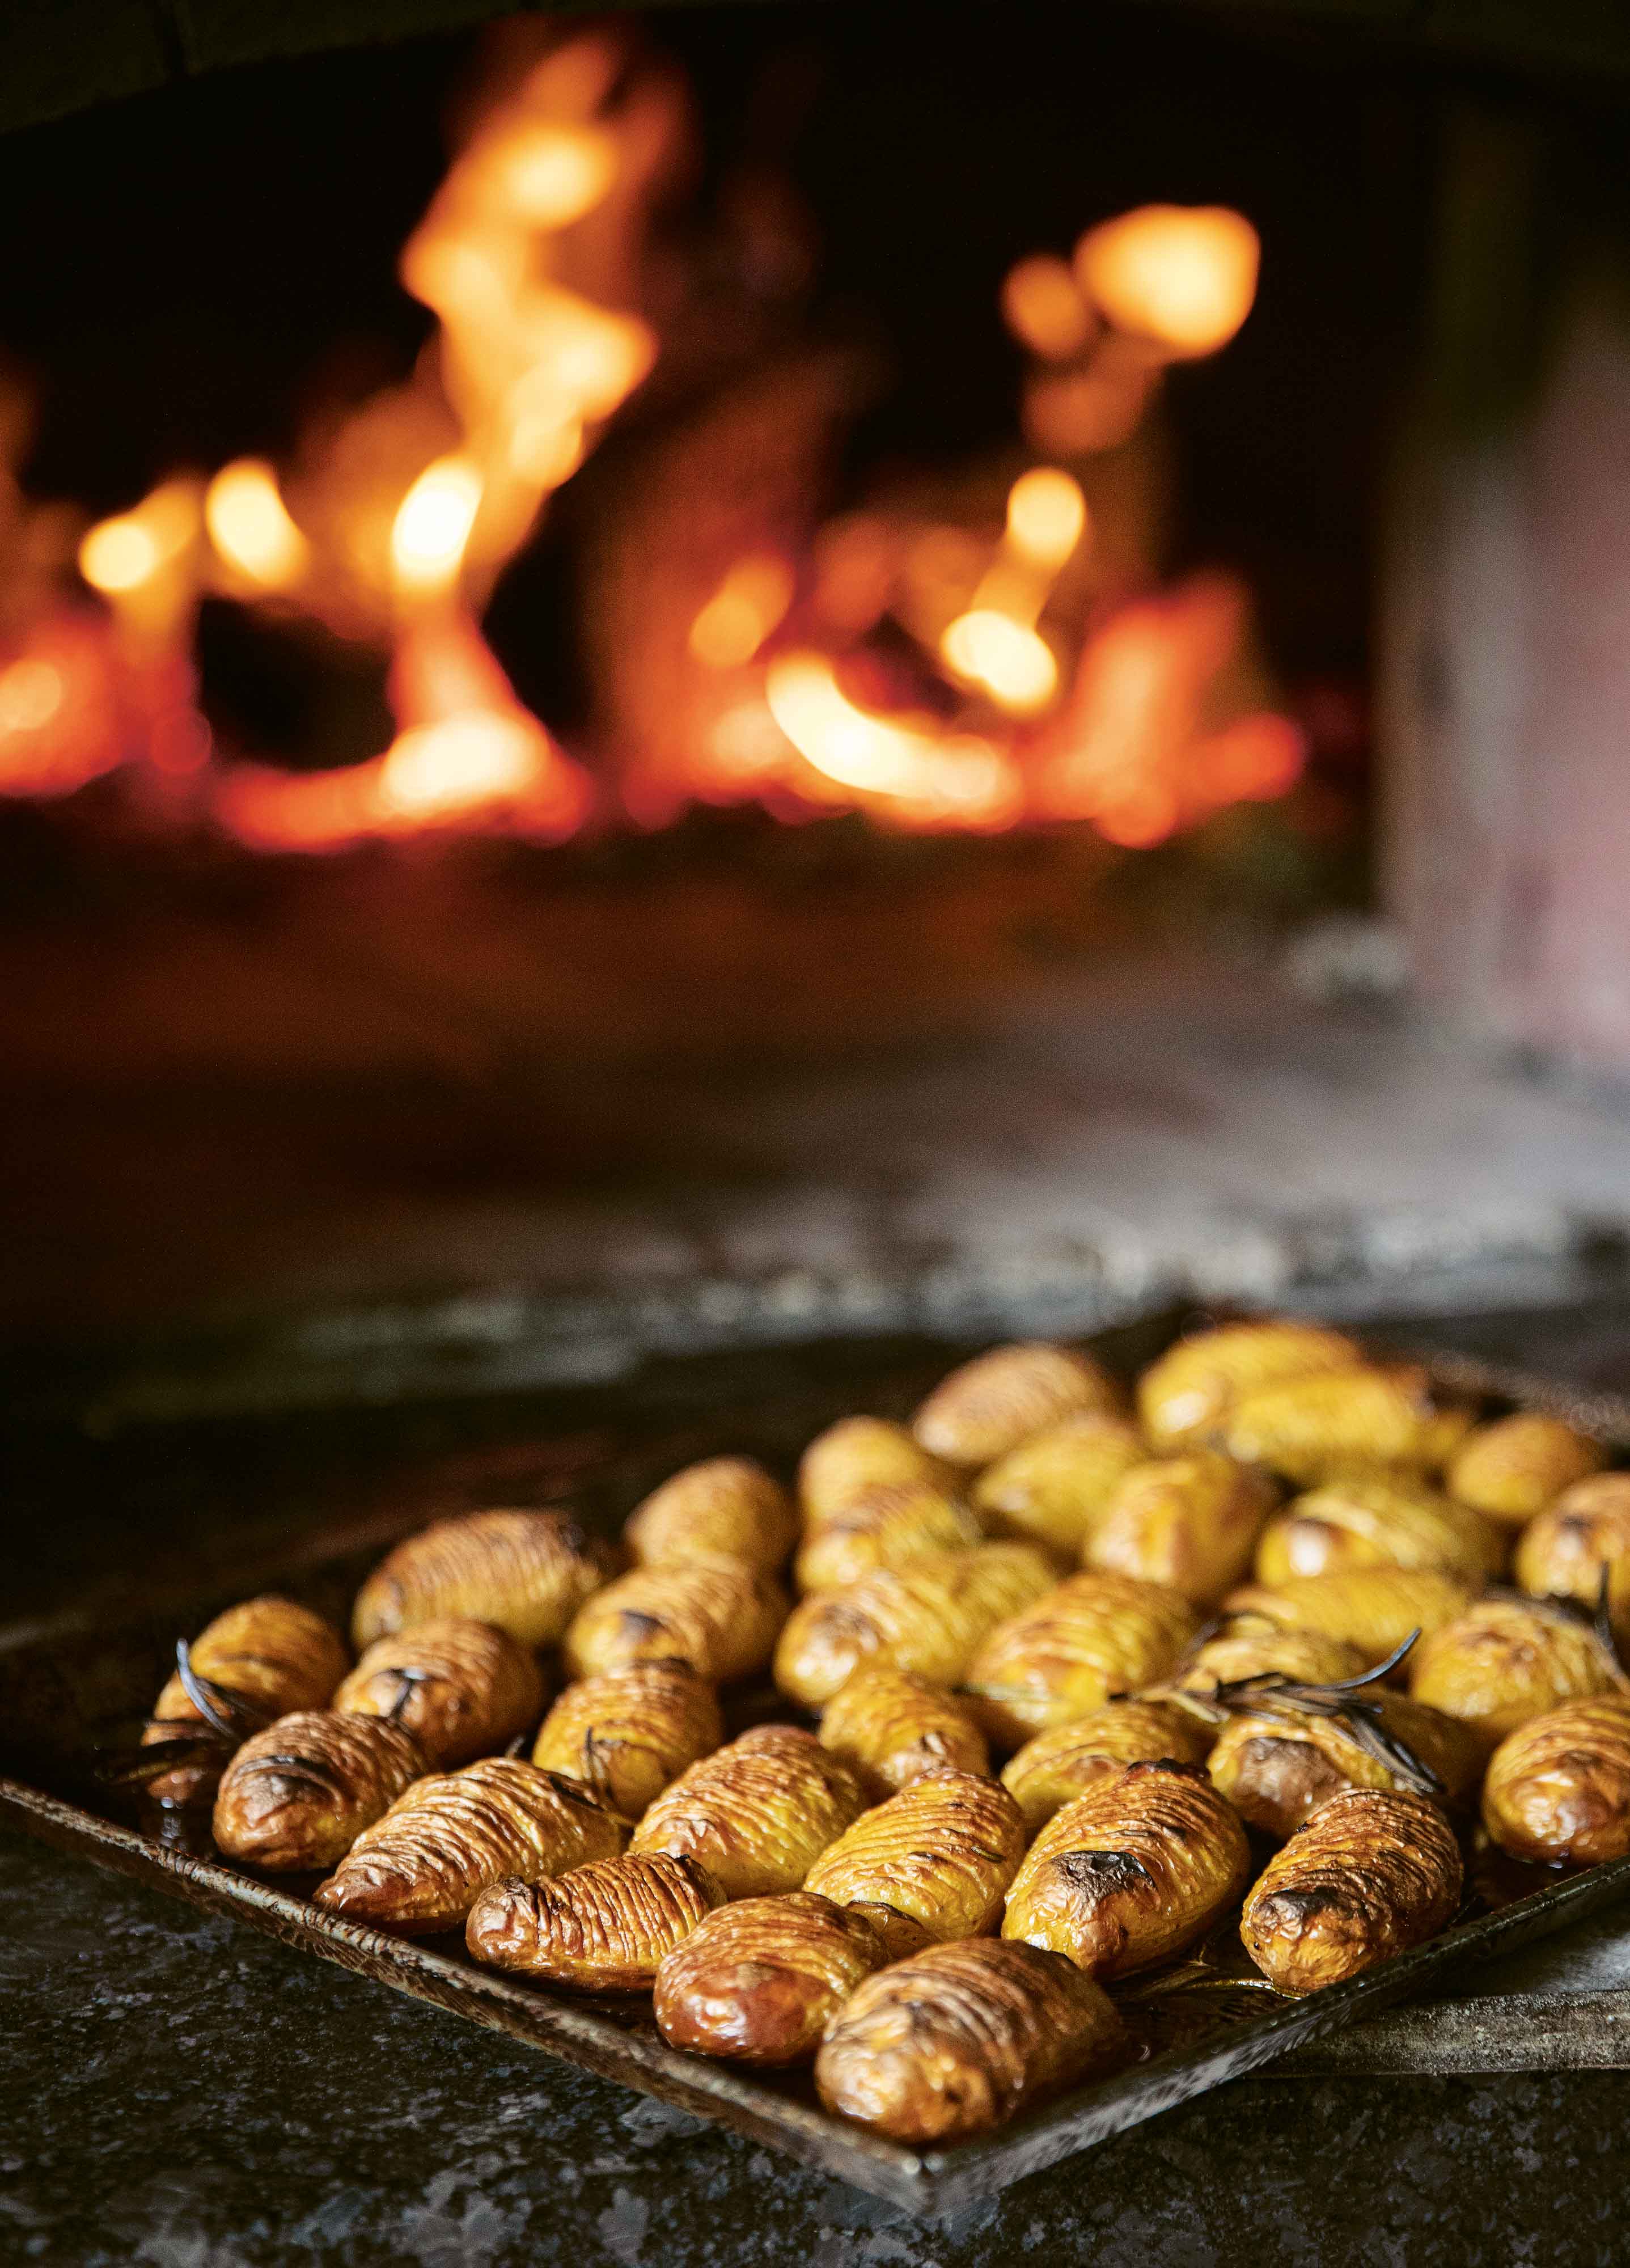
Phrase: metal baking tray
(71,1687)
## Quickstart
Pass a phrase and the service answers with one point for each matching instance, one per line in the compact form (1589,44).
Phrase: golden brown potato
(757,1982)
(991,1404)
(962,2038)
(725,1507)
(1513,1468)
(757,1813)
(629,1732)
(720,1615)
(1307,1656)
(1053,1489)
(1277,1764)
(1307,1428)
(1378,1519)
(891,1728)
(927,1617)
(1184,1397)
(1131,1873)
(1057,1766)
(884,1528)
(1190,1522)
(1507,1660)
(296,1797)
(462,1688)
(447,1838)
(933,1860)
(1558,1790)
(858,1454)
(1371,1874)
(1092,1635)
(1371,1609)
(1563,1552)
(527,1572)
(252,1664)
(603,1928)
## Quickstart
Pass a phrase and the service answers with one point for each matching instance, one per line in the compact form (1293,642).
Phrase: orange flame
(1184,277)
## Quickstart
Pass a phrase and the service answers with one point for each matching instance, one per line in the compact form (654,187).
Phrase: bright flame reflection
(1186,277)
(250,527)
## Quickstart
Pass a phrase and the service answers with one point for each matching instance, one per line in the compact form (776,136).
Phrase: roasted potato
(422,1868)
(720,1615)
(991,1404)
(884,1528)
(725,1507)
(757,1982)
(1057,1766)
(1558,1789)
(933,1861)
(1562,1553)
(927,1617)
(1091,1636)
(629,1732)
(1507,1660)
(1053,1489)
(891,1727)
(1373,1872)
(252,1664)
(462,1688)
(1513,1468)
(1307,1656)
(1190,1522)
(527,1572)
(858,1454)
(1309,1427)
(961,2038)
(1131,1873)
(1378,1519)
(603,1928)
(757,1813)
(1372,1610)
(1277,1764)
(1184,1397)
(296,1797)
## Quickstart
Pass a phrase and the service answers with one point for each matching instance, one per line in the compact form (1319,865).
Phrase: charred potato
(1309,1427)
(1091,1636)
(252,1664)
(884,1528)
(933,1861)
(1307,1656)
(296,1797)
(1513,1468)
(1371,1874)
(998,1400)
(1507,1660)
(1372,1610)
(462,1688)
(422,1868)
(603,1928)
(527,1572)
(757,1813)
(1563,1552)
(719,1616)
(1378,1520)
(1053,1489)
(758,1983)
(858,1454)
(725,1507)
(1130,1874)
(1184,1397)
(962,2038)
(1190,1522)
(1057,1766)
(1278,1765)
(891,1727)
(1558,1790)
(627,1732)
(927,1618)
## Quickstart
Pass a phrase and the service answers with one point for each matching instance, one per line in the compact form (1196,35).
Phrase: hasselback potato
(1306,1655)
(1371,1874)
(1131,1873)
(1054,1488)
(933,1860)
(1378,1520)
(1308,1427)
(758,1981)
(603,1928)
(1372,1610)
(961,2038)
(725,1507)
(1558,1789)
(1184,1396)
(927,1617)
(1563,1552)
(1505,1659)
(1057,1766)
(422,1868)
(891,1727)
(462,1688)
(1190,1522)
(629,1732)
(884,1528)
(757,1813)
(252,1664)
(991,1404)
(1276,1764)
(296,1797)
(859,1453)
(1513,1468)
(720,1615)
(526,1572)
(1091,1636)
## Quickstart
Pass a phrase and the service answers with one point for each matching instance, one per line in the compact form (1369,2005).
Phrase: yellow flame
(1184,276)
(1046,516)
(1043,308)
(250,527)
(433,525)
(123,553)
(550,176)
(458,763)
(743,611)
(1013,663)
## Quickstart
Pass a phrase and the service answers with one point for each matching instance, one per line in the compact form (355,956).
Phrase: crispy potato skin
(989,1405)
(1130,1874)
(629,1732)
(1093,1635)
(296,1797)
(719,1616)
(1053,1489)
(1370,1874)
(961,2038)
(1307,1656)
(891,1727)
(758,1983)
(1308,1427)
(1558,1789)
(1513,1468)
(1503,1662)
(884,1528)
(927,1617)
(1372,1610)
(462,1688)
(1184,1397)
(527,1572)
(1276,1772)
(757,1813)
(602,1928)
(858,1454)
(1190,1522)
(1563,1551)
(726,1507)
(938,1855)
(1057,1766)
(422,1868)
(273,1654)
(1378,1520)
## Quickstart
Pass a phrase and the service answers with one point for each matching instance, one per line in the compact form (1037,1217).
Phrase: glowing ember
(1184,278)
